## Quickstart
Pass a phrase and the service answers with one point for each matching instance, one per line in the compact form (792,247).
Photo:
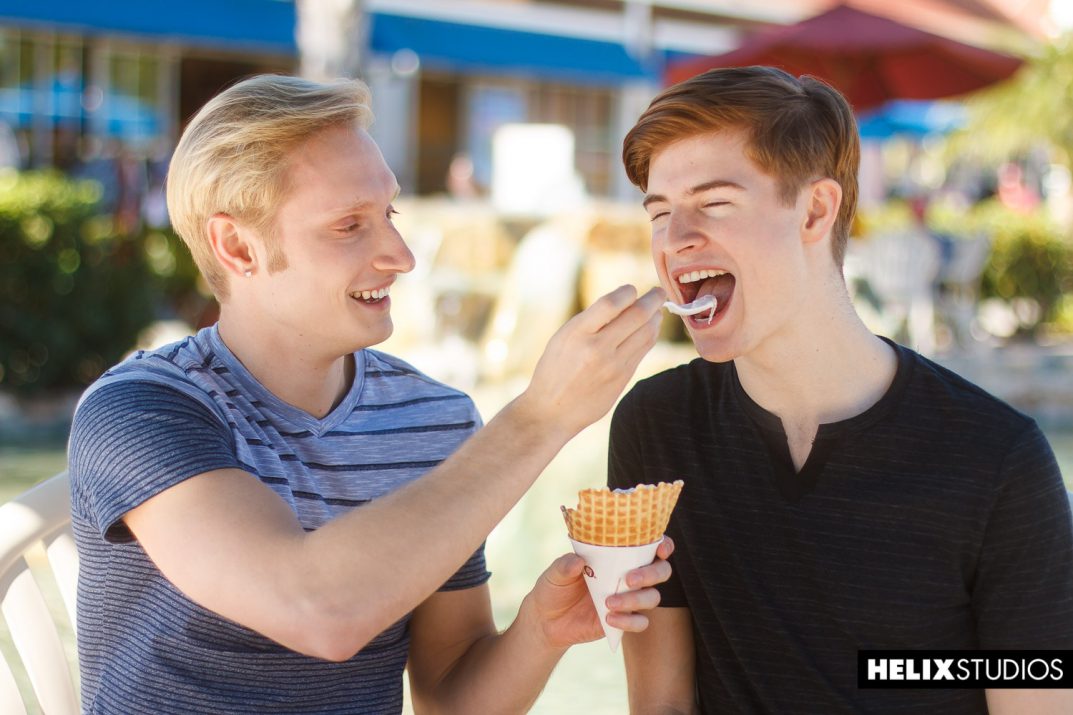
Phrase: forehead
(337,162)
(713,155)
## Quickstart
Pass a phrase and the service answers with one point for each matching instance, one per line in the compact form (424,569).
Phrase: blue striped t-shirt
(163,416)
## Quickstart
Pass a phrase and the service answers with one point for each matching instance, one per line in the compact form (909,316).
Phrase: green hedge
(1031,258)
(75,294)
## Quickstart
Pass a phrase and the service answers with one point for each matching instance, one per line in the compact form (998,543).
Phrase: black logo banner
(965,669)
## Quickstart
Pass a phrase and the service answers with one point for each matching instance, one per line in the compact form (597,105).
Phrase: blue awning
(491,50)
(251,25)
(912,118)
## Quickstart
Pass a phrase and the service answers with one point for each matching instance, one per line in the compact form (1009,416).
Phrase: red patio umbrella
(869,58)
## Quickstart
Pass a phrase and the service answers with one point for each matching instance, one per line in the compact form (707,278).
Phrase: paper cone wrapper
(605,575)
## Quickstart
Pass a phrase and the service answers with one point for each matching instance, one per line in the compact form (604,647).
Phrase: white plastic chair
(901,267)
(39,517)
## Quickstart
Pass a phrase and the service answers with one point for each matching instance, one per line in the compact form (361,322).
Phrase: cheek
(656,251)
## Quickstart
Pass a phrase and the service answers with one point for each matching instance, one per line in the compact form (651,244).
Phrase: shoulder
(941,394)
(677,385)
(186,357)
(949,419)
(151,378)
(128,412)
(672,401)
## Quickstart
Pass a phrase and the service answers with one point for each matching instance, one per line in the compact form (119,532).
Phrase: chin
(369,338)
(714,350)
(379,336)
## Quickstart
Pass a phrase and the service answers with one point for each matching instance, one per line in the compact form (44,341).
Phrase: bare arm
(459,664)
(452,636)
(231,545)
(1037,702)
(661,665)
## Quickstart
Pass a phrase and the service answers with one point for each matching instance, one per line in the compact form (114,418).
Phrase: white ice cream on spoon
(704,303)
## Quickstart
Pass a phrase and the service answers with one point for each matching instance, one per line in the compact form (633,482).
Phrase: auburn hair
(799,129)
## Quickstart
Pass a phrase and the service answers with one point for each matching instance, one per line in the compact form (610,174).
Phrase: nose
(394,256)
(681,234)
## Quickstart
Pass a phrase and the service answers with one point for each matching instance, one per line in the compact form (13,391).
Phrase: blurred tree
(75,292)
(1031,109)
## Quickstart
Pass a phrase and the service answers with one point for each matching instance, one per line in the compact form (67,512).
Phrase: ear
(823,197)
(231,245)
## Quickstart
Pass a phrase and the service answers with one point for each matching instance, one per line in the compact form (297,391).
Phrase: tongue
(720,287)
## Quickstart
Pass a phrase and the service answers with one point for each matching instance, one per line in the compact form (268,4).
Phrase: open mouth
(371,297)
(712,281)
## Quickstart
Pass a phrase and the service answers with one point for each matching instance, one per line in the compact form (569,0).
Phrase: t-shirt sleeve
(1022,595)
(475,571)
(626,469)
(132,440)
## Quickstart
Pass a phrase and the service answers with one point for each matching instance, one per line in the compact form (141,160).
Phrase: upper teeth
(699,275)
(372,294)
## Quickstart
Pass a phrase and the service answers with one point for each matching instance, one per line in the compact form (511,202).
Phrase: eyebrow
(362,204)
(706,186)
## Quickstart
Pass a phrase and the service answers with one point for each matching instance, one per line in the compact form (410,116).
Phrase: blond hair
(799,128)
(232,157)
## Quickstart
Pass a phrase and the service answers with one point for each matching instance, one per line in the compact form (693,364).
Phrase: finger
(606,308)
(631,622)
(656,572)
(634,316)
(665,548)
(636,345)
(630,601)
(631,317)
(565,570)
(653,299)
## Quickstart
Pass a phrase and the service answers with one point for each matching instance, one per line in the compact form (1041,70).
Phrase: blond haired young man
(842,493)
(271,516)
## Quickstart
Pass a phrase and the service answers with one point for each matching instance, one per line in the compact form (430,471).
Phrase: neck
(825,367)
(285,363)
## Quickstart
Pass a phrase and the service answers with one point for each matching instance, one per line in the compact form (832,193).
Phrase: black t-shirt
(935,519)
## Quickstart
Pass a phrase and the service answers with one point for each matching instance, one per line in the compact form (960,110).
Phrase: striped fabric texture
(161,417)
(935,519)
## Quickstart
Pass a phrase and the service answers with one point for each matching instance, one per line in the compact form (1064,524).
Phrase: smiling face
(342,251)
(720,228)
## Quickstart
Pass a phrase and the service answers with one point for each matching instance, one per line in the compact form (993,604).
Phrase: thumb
(565,570)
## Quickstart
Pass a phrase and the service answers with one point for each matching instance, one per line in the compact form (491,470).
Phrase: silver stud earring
(248,274)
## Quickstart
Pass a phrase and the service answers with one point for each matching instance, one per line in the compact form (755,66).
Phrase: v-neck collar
(794,484)
(258,393)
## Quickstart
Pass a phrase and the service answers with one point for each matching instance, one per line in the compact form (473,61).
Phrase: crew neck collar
(893,395)
(257,392)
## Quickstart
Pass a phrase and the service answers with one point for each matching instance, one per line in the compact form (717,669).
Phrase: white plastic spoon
(705,303)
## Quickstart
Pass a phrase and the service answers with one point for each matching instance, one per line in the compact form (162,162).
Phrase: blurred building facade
(445,74)
(77,77)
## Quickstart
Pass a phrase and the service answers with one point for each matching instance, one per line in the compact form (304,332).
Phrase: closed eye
(658,215)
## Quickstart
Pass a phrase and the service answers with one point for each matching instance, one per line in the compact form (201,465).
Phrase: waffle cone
(614,518)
